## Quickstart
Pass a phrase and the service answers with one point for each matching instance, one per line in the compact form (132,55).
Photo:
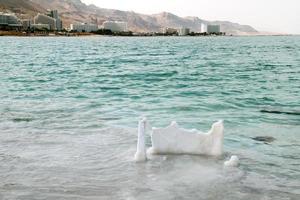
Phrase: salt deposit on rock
(176,140)
(140,154)
(232,162)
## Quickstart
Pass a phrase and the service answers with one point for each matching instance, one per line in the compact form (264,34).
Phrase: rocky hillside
(73,11)
(21,7)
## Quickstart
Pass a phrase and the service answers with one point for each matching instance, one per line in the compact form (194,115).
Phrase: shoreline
(66,34)
(42,34)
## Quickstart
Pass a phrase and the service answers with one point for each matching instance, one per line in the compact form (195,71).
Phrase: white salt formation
(175,140)
(140,154)
(232,162)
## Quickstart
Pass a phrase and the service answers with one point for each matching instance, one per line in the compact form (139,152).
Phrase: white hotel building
(115,26)
(213,28)
(84,27)
(183,31)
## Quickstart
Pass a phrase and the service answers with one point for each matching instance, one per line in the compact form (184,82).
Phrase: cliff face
(73,11)
(22,7)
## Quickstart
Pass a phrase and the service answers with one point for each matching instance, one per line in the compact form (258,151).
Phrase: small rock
(266,139)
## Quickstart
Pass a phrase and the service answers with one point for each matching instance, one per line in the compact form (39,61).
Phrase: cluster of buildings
(50,21)
(114,26)
(205,28)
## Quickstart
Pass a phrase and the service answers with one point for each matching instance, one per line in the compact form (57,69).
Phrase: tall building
(115,26)
(183,31)
(54,14)
(26,23)
(203,28)
(84,27)
(44,19)
(213,29)
(59,25)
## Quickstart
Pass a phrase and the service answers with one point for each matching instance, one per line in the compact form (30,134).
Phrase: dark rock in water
(22,119)
(266,139)
(281,112)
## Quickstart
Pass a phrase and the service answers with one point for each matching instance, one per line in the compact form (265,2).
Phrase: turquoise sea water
(69,109)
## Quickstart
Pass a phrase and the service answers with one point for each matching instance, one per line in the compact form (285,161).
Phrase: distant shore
(80,34)
(95,33)
(46,34)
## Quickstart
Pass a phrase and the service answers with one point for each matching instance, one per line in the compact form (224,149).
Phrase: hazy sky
(265,15)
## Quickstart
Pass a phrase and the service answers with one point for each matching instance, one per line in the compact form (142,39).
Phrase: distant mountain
(73,11)
(21,7)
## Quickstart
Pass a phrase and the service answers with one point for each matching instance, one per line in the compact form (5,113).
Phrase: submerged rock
(266,139)
(291,112)
(22,119)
